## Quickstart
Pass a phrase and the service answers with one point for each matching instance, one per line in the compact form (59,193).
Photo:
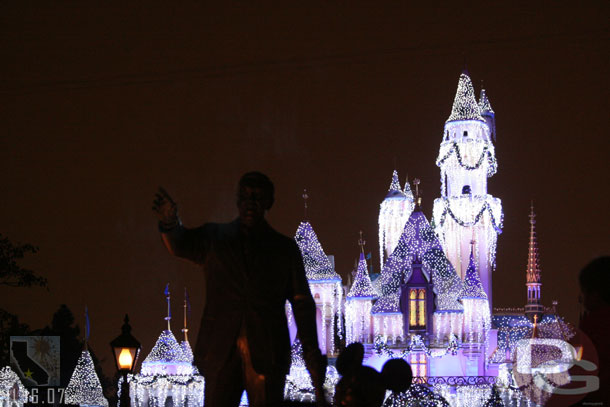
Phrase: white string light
(84,387)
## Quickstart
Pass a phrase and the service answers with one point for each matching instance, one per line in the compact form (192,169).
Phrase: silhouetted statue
(251,270)
(594,281)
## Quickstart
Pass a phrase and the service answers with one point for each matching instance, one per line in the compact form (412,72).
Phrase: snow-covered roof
(484,104)
(317,265)
(167,357)
(362,286)
(472,287)
(395,191)
(465,106)
(419,240)
(388,304)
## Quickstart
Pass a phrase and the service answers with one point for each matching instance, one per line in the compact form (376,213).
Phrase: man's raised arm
(179,241)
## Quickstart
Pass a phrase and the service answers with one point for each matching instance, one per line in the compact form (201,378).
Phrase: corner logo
(542,368)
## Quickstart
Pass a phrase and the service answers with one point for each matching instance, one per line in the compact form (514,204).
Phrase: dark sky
(102,104)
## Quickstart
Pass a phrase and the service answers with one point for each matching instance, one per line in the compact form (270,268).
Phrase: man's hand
(165,208)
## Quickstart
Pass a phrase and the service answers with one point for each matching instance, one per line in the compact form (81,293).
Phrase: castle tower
(393,214)
(359,301)
(465,211)
(533,306)
(325,286)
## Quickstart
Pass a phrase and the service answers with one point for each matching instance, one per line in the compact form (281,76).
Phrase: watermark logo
(553,369)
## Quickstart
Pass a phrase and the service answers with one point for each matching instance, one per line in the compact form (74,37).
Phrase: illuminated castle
(168,377)
(432,301)
(435,284)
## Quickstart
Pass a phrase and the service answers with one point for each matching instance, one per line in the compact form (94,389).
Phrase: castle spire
(305,196)
(361,243)
(487,112)
(416,182)
(394,185)
(186,306)
(168,318)
(394,211)
(533,282)
(472,282)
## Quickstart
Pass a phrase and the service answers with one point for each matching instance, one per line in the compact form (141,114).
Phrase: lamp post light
(126,350)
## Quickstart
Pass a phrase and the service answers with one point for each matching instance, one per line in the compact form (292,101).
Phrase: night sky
(102,104)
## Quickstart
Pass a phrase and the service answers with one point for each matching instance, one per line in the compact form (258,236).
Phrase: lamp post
(126,350)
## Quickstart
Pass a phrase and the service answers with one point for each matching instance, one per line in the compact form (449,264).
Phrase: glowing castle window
(419,364)
(417,308)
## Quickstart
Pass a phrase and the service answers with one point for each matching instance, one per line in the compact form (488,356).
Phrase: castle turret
(393,214)
(488,113)
(325,286)
(359,301)
(477,318)
(465,211)
(534,307)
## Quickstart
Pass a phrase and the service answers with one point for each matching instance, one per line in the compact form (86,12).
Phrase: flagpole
(185,329)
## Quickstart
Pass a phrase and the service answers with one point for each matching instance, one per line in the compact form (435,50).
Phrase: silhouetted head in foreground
(363,386)
(255,196)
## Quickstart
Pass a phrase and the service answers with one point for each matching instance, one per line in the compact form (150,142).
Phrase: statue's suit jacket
(248,280)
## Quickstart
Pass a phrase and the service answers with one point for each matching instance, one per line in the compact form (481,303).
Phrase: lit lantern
(126,349)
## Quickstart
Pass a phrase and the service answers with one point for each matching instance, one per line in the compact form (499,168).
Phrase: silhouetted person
(594,282)
(251,270)
(363,386)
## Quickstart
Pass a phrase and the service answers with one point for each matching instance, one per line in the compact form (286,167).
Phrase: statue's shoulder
(286,242)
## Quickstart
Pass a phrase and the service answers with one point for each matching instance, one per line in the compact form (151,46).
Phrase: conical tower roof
(407,190)
(394,191)
(465,106)
(362,286)
(167,357)
(187,351)
(317,264)
(472,287)
(419,240)
(84,387)
(484,105)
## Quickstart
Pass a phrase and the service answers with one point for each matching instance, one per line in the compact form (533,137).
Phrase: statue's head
(255,195)
(594,282)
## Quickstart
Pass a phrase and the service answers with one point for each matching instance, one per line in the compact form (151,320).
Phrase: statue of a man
(251,270)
